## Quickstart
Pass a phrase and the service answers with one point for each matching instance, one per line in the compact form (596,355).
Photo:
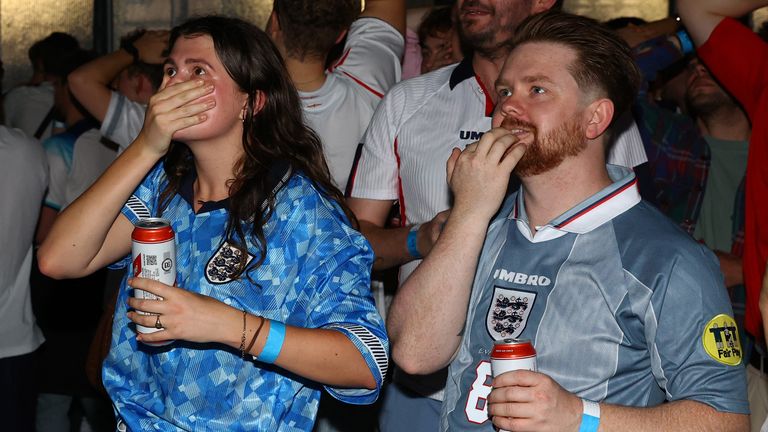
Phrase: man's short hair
(68,62)
(50,49)
(604,62)
(437,21)
(153,72)
(311,27)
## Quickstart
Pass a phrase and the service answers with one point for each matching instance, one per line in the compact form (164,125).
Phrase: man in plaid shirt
(697,164)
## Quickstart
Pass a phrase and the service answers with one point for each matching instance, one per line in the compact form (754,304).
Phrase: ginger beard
(548,151)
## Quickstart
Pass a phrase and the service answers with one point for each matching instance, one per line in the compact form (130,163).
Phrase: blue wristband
(590,418)
(686,44)
(413,249)
(274,343)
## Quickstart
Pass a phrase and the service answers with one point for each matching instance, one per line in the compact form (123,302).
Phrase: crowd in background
(413,185)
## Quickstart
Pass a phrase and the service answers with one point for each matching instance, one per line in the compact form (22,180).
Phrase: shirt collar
(613,200)
(278,174)
(464,71)
(187,191)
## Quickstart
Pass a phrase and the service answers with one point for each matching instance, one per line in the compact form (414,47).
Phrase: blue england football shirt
(316,275)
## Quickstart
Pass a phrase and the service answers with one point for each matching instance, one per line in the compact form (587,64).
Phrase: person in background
(697,163)
(116,88)
(338,102)
(23,179)
(29,106)
(402,159)
(76,158)
(439,39)
(626,311)
(743,71)
(272,298)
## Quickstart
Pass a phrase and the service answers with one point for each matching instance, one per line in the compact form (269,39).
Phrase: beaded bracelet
(242,339)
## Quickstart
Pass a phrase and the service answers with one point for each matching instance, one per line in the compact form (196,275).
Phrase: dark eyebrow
(194,60)
(169,61)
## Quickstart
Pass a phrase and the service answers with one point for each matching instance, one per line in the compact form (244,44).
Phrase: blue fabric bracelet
(589,423)
(274,343)
(686,44)
(590,418)
(413,249)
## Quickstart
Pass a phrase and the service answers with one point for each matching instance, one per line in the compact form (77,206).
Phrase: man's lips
(701,83)
(473,11)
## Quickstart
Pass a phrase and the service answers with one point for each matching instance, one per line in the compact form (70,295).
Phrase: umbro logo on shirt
(521,278)
(470,135)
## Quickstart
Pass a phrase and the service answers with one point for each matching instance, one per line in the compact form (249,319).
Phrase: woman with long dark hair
(271,299)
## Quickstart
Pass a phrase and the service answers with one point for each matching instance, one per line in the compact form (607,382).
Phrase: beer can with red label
(153,251)
(512,354)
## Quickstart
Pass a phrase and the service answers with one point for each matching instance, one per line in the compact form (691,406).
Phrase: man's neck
(487,69)
(307,75)
(728,123)
(553,193)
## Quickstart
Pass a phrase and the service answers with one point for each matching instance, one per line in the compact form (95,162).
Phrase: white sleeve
(627,150)
(123,120)
(372,55)
(375,172)
(59,156)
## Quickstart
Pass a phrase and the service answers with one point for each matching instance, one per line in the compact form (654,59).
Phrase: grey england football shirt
(621,305)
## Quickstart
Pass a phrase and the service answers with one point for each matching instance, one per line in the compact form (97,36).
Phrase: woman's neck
(215,164)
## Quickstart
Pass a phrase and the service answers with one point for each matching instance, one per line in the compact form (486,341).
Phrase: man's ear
(600,114)
(273,25)
(341,36)
(539,6)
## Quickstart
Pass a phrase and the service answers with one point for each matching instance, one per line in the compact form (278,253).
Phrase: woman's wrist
(146,151)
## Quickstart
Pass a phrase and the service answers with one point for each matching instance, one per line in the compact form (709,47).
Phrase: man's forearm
(683,415)
(428,312)
(389,245)
(90,82)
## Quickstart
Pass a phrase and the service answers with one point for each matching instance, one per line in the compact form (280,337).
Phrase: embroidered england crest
(508,312)
(224,263)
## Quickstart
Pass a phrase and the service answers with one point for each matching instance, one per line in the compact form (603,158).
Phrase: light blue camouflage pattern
(316,275)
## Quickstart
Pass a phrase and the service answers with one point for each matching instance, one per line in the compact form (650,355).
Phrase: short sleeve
(372,55)
(123,120)
(143,202)
(337,270)
(696,355)
(59,152)
(375,173)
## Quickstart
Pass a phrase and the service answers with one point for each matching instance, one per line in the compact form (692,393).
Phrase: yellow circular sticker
(721,340)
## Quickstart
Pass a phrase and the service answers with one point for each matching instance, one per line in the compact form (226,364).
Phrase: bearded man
(402,159)
(629,317)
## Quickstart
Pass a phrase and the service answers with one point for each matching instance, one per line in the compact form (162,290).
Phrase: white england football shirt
(341,109)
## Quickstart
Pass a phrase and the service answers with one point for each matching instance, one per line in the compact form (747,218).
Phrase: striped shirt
(413,132)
